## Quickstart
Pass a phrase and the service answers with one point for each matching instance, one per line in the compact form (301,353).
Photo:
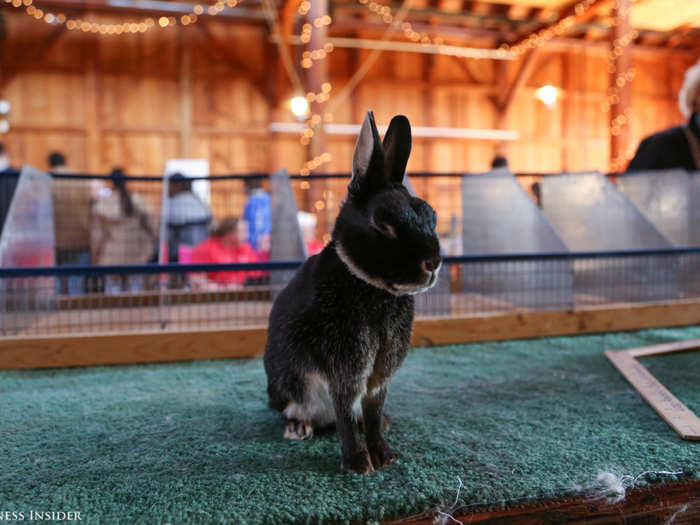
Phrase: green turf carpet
(195,442)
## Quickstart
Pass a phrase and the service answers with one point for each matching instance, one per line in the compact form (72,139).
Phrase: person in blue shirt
(257,212)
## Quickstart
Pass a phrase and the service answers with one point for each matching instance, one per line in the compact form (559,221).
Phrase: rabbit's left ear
(397,148)
(368,159)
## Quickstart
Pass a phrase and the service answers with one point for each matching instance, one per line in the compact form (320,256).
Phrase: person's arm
(98,238)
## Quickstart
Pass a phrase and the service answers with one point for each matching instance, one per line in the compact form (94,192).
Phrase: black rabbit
(342,326)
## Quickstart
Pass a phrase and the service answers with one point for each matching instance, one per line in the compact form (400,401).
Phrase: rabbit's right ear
(397,148)
(368,159)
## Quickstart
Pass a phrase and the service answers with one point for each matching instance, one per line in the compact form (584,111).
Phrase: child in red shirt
(227,244)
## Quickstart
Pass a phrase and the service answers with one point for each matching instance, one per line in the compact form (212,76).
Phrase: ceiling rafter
(569,11)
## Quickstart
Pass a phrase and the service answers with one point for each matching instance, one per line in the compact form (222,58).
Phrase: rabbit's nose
(432,264)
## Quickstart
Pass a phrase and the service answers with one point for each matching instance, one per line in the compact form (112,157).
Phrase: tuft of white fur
(318,404)
(613,488)
(689,95)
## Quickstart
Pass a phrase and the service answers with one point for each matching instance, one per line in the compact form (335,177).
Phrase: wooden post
(507,93)
(569,122)
(428,114)
(501,85)
(92,120)
(273,95)
(185,98)
(620,95)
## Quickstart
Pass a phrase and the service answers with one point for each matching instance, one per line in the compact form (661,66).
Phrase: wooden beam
(527,66)
(465,65)
(481,8)
(568,13)
(449,31)
(429,332)
(680,36)
(480,15)
(518,11)
(105,349)
(49,352)
(286,26)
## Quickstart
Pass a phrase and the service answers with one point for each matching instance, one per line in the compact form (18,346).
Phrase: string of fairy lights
(620,80)
(308,58)
(537,40)
(541,37)
(311,56)
(128,26)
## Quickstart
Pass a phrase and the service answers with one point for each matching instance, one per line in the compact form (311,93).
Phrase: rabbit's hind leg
(315,412)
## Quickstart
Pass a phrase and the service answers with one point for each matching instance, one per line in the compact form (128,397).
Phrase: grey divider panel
(664,198)
(286,241)
(435,301)
(695,207)
(28,240)
(590,214)
(667,200)
(691,263)
(499,217)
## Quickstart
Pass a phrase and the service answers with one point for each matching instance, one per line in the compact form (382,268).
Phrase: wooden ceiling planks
(665,15)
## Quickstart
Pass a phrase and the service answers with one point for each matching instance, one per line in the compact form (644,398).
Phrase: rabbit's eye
(386,229)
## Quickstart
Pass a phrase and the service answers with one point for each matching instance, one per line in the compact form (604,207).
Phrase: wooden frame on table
(675,413)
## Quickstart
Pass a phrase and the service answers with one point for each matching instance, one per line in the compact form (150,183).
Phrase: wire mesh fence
(241,295)
(78,252)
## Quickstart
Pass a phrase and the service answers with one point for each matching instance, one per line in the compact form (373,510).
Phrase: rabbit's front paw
(359,463)
(381,454)
(298,430)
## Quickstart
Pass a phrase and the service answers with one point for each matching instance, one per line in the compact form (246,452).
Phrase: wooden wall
(137,100)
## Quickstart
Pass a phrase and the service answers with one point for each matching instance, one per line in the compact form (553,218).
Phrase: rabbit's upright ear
(368,159)
(397,148)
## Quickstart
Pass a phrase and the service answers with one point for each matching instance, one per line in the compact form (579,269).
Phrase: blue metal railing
(131,269)
(311,176)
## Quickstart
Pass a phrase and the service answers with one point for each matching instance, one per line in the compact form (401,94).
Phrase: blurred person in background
(72,200)
(257,212)
(499,162)
(677,147)
(307,225)
(57,162)
(8,185)
(227,244)
(123,232)
(188,217)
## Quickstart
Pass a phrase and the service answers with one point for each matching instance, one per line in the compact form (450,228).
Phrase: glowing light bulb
(547,94)
(299,106)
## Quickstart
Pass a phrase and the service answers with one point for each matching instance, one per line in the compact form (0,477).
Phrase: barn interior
(552,374)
